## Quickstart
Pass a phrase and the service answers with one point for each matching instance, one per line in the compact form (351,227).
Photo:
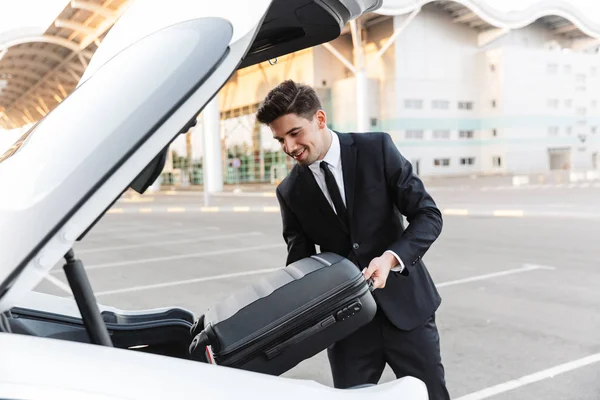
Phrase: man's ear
(321,119)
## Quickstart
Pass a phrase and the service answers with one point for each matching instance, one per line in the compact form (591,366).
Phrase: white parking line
(131,225)
(525,268)
(184,256)
(118,229)
(150,244)
(186,282)
(535,377)
(456,211)
(508,213)
(59,284)
(155,231)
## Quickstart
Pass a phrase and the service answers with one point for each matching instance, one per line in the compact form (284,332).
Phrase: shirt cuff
(397,268)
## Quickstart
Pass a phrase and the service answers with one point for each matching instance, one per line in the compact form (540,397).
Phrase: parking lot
(517,269)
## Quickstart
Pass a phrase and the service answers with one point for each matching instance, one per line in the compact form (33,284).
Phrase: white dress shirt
(334,160)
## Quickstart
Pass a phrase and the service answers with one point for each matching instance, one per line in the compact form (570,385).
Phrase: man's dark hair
(289,97)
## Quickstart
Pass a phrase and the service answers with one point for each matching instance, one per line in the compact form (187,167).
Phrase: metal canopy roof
(563,27)
(38,71)
(461,14)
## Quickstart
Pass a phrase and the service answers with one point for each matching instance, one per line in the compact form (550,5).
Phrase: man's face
(306,141)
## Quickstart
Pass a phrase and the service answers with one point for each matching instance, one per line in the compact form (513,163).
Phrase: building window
(441,162)
(567,69)
(594,103)
(568,103)
(492,67)
(413,103)
(581,111)
(493,103)
(497,161)
(551,68)
(467,161)
(580,78)
(494,132)
(593,130)
(569,130)
(414,134)
(466,134)
(440,104)
(441,134)
(594,71)
(465,105)
(553,131)
(374,122)
(553,103)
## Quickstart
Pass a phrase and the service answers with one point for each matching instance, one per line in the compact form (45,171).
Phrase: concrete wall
(438,73)
(550,102)
(533,36)
(512,86)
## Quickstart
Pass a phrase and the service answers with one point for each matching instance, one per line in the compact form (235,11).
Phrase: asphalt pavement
(517,269)
(567,200)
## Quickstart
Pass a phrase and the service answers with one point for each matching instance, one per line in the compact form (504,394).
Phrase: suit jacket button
(355,246)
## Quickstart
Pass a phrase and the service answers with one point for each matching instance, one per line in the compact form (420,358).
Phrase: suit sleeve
(299,246)
(413,201)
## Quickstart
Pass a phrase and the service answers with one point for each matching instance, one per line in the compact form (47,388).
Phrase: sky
(591,8)
(16,14)
(507,5)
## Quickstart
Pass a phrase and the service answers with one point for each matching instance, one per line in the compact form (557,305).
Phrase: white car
(154,72)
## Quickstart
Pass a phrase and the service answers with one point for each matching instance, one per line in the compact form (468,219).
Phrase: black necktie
(334,192)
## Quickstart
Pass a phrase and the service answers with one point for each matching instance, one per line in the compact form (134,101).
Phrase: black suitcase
(286,317)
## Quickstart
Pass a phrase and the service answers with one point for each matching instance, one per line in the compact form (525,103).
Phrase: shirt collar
(332,157)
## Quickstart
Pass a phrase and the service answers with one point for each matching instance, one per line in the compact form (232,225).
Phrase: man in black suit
(346,194)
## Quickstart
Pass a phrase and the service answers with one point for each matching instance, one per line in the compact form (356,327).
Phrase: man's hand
(379,269)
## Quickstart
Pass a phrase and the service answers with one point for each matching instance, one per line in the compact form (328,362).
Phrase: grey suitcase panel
(288,316)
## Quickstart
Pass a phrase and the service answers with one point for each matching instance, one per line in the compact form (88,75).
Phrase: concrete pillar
(360,74)
(213,166)
(362,101)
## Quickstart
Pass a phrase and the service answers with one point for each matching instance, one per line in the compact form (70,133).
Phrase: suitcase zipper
(253,344)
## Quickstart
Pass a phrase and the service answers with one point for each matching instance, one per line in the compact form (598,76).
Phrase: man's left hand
(379,269)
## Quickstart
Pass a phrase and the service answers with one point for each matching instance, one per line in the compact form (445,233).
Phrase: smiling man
(346,194)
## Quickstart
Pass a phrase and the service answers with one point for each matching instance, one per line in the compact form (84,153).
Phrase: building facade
(458,95)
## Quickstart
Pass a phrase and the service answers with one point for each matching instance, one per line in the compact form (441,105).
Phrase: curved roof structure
(570,19)
(37,71)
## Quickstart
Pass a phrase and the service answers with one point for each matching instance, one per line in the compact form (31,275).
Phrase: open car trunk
(159,65)
(155,71)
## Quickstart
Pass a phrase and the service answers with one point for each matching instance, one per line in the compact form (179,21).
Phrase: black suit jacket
(379,185)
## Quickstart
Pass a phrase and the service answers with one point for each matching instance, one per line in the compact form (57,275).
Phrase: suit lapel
(311,195)
(348,156)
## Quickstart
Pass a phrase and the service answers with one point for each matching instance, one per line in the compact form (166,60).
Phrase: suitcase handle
(277,350)
(370,283)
